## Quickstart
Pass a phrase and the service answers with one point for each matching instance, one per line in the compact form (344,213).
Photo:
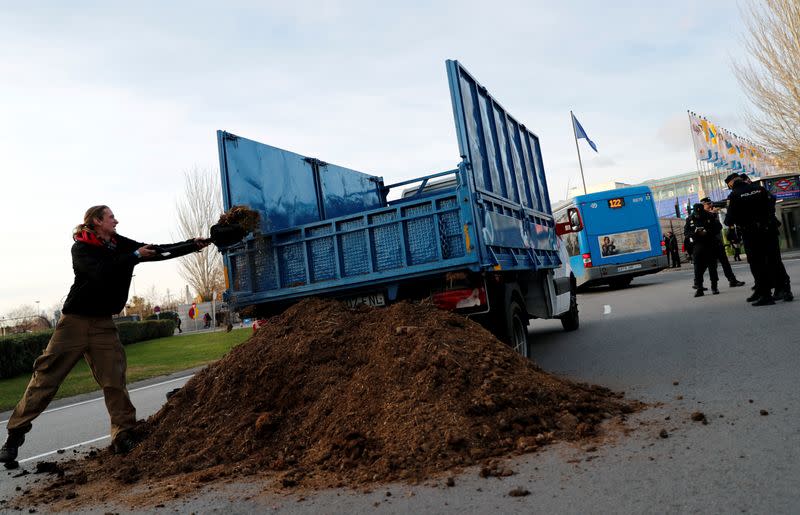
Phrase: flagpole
(698,163)
(575,133)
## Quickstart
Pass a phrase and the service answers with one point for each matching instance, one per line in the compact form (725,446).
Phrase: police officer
(703,227)
(752,209)
(782,280)
(722,257)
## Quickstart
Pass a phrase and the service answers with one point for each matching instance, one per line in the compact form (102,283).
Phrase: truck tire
(570,320)
(516,328)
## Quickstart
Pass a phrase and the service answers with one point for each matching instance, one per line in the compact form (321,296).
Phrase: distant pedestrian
(178,322)
(206,320)
(672,250)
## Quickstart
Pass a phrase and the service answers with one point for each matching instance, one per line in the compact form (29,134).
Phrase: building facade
(786,189)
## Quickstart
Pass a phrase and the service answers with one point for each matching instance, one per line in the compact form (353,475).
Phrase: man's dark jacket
(703,228)
(752,208)
(103,272)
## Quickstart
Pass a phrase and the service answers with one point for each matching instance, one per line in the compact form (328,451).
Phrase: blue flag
(580,133)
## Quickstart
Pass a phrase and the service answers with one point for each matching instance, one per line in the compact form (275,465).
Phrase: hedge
(164,315)
(19,351)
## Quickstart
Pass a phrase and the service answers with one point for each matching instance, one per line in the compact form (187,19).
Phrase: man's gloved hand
(146,252)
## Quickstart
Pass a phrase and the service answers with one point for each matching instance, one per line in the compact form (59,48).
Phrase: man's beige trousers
(97,340)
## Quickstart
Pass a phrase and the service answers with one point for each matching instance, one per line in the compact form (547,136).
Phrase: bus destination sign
(616,203)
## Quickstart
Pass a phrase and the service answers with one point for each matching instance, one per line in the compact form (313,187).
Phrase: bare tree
(197,212)
(771,78)
(25,318)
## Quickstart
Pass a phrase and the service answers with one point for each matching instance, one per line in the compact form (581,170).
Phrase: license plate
(375,299)
(629,267)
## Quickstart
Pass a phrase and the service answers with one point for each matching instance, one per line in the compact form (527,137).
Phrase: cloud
(603,161)
(674,134)
(110,104)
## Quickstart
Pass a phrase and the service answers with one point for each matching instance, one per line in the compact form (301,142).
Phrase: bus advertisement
(620,239)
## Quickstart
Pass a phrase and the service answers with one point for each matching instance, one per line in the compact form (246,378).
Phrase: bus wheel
(570,320)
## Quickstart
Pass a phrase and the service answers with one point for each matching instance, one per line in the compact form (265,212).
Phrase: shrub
(132,332)
(19,351)
(164,315)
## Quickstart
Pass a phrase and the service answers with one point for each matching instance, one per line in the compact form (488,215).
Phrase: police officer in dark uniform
(782,280)
(752,209)
(722,257)
(702,227)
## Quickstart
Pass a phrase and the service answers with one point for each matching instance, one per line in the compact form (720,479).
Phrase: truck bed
(330,230)
(410,238)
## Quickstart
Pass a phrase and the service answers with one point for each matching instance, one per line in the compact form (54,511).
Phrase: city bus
(621,236)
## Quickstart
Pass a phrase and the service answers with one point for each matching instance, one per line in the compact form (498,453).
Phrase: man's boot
(9,450)
(764,300)
(784,294)
(714,289)
(734,283)
(699,292)
(124,443)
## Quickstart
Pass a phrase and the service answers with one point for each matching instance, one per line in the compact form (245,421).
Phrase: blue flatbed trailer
(480,237)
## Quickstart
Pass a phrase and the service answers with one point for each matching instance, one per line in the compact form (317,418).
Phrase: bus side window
(575,219)
(570,239)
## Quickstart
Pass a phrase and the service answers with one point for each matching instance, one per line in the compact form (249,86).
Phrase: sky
(113,102)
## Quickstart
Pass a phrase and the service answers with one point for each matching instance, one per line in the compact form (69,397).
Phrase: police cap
(705,199)
(731,177)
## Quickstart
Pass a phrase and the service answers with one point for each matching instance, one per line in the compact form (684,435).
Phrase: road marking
(93,440)
(101,398)
(606,309)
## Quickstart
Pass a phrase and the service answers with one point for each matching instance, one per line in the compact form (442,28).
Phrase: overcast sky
(111,102)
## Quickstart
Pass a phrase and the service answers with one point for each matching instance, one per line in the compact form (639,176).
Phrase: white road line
(101,398)
(606,309)
(93,440)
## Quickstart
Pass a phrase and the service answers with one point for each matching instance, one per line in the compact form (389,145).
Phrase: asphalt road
(729,360)
(83,420)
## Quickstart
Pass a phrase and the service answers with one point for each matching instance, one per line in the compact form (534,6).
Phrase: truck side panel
(512,208)
(356,252)
(289,189)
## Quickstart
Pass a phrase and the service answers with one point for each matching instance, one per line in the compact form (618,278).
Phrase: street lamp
(38,313)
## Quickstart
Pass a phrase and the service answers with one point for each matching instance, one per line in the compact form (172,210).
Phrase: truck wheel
(570,320)
(516,329)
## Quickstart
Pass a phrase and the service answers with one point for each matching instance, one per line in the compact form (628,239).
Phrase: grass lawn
(145,359)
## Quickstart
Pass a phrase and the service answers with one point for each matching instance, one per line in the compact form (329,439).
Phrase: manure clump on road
(324,395)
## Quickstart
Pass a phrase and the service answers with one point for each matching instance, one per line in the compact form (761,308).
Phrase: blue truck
(479,239)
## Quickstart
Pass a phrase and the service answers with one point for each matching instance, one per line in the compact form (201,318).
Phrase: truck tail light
(663,248)
(460,299)
(587,260)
